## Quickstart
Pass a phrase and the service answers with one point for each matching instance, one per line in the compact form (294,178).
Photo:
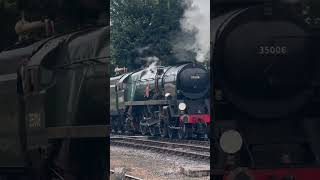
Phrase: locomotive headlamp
(182,106)
(231,141)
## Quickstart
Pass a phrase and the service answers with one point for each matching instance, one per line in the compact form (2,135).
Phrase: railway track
(126,177)
(192,151)
(196,142)
(158,138)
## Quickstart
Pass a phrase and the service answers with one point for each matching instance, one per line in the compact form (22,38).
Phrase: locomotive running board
(93,131)
(149,102)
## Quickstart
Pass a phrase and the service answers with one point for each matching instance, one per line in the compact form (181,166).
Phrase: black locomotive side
(168,101)
(265,93)
(53,106)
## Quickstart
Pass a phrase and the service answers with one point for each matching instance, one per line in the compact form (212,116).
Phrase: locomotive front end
(265,81)
(192,98)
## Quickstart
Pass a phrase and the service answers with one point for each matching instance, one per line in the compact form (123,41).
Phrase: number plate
(272,50)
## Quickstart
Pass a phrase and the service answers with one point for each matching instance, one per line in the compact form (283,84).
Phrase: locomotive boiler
(53,106)
(265,91)
(168,101)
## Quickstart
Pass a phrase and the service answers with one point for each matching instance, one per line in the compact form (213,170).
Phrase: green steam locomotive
(167,101)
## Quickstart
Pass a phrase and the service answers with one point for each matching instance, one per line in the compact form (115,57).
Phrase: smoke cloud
(142,49)
(151,61)
(196,19)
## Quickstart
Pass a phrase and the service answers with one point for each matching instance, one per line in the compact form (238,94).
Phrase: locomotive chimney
(119,71)
(160,71)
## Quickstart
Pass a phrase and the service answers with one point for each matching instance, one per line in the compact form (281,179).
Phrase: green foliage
(143,28)
(8,17)
(8,4)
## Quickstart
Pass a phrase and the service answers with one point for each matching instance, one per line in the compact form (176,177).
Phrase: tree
(8,16)
(144,28)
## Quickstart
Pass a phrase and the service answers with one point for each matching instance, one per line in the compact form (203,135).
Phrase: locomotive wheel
(172,133)
(189,132)
(154,130)
(185,131)
(114,129)
(127,126)
(200,136)
(204,136)
(143,129)
(182,131)
(118,125)
(163,130)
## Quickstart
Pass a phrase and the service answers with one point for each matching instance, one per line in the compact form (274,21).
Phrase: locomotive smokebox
(263,66)
(193,80)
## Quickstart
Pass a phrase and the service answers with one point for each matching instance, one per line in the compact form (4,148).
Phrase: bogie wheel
(206,137)
(185,131)
(163,130)
(199,136)
(189,132)
(172,133)
(182,131)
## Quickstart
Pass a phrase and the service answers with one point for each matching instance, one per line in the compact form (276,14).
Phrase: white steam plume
(196,18)
(151,61)
(142,49)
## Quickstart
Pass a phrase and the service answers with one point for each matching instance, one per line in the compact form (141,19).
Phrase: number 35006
(273,50)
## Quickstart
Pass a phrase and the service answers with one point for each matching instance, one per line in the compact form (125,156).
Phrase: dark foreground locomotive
(265,91)
(52,108)
(168,101)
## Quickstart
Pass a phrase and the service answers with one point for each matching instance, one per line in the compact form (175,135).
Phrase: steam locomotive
(53,106)
(265,90)
(167,101)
